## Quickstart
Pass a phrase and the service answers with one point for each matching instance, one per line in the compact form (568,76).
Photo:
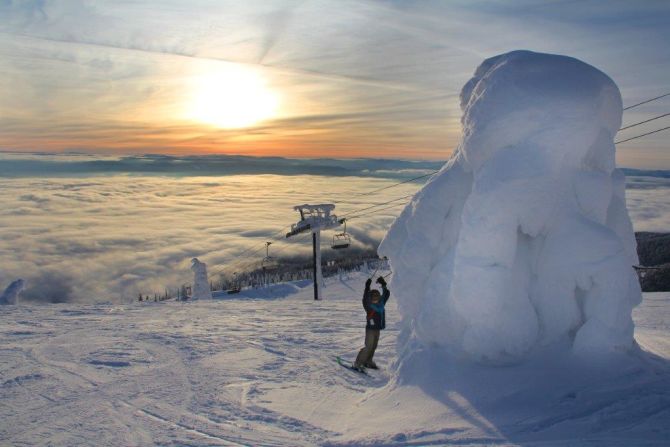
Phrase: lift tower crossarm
(315,218)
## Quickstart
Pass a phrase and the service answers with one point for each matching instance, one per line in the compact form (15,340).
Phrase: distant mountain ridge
(653,249)
(14,164)
(44,165)
(646,172)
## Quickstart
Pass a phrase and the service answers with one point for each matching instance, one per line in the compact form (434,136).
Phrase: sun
(232,97)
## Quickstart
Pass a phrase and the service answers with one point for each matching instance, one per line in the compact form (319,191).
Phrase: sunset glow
(232,97)
(296,79)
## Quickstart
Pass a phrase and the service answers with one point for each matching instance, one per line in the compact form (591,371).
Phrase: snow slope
(258,371)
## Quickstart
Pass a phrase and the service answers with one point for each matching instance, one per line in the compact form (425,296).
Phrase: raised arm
(366,295)
(385,292)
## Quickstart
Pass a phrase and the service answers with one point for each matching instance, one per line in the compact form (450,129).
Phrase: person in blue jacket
(373,303)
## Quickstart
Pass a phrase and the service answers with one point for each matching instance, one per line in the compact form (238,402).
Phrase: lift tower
(315,218)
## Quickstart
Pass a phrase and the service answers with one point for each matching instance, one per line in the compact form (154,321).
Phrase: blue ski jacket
(376,315)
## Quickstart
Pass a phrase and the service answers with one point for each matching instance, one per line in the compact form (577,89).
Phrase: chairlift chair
(341,240)
(268,261)
(235,286)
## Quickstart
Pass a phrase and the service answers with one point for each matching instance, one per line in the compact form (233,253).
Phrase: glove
(381,281)
(368,282)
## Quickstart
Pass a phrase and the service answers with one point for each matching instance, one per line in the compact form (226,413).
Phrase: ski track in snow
(263,372)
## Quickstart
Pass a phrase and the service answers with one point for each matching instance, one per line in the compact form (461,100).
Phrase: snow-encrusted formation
(201,289)
(523,238)
(11,293)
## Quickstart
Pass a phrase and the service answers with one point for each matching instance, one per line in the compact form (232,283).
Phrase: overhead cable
(642,135)
(645,121)
(376,205)
(645,102)
(377,211)
(254,249)
(397,184)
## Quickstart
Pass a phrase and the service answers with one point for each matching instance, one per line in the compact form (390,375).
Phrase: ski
(349,366)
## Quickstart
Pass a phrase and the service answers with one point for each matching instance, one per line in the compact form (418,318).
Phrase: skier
(373,303)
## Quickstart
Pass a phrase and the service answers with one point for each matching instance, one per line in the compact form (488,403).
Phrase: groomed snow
(522,242)
(250,371)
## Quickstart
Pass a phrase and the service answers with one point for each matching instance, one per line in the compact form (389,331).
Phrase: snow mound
(11,293)
(523,239)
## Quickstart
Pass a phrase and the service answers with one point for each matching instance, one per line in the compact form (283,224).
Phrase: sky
(336,79)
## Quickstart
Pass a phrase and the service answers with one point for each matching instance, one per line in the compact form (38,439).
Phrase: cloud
(49,286)
(378,78)
(108,237)
(33,198)
(648,205)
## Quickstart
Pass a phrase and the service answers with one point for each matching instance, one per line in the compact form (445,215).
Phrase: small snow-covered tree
(11,293)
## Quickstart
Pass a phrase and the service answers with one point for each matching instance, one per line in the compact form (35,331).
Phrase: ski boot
(371,364)
(358,367)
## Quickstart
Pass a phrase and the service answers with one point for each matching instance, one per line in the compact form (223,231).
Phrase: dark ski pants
(365,355)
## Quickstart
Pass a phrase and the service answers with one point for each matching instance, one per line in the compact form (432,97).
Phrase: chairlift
(314,218)
(235,287)
(268,262)
(341,240)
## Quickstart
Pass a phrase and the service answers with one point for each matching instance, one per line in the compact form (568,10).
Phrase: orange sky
(333,79)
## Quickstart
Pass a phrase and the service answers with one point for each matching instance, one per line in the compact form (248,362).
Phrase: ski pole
(375,272)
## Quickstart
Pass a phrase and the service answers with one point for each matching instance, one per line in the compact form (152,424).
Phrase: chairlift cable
(645,121)
(643,135)
(645,102)
(392,206)
(376,205)
(248,252)
(436,171)
(378,211)
(282,249)
(374,191)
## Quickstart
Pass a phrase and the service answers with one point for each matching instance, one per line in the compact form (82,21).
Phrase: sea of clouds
(76,234)
(80,228)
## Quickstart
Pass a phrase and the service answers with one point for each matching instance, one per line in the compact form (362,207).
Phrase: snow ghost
(201,290)
(522,240)
(11,293)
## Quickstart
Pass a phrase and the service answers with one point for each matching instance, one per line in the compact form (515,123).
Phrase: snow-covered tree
(523,239)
